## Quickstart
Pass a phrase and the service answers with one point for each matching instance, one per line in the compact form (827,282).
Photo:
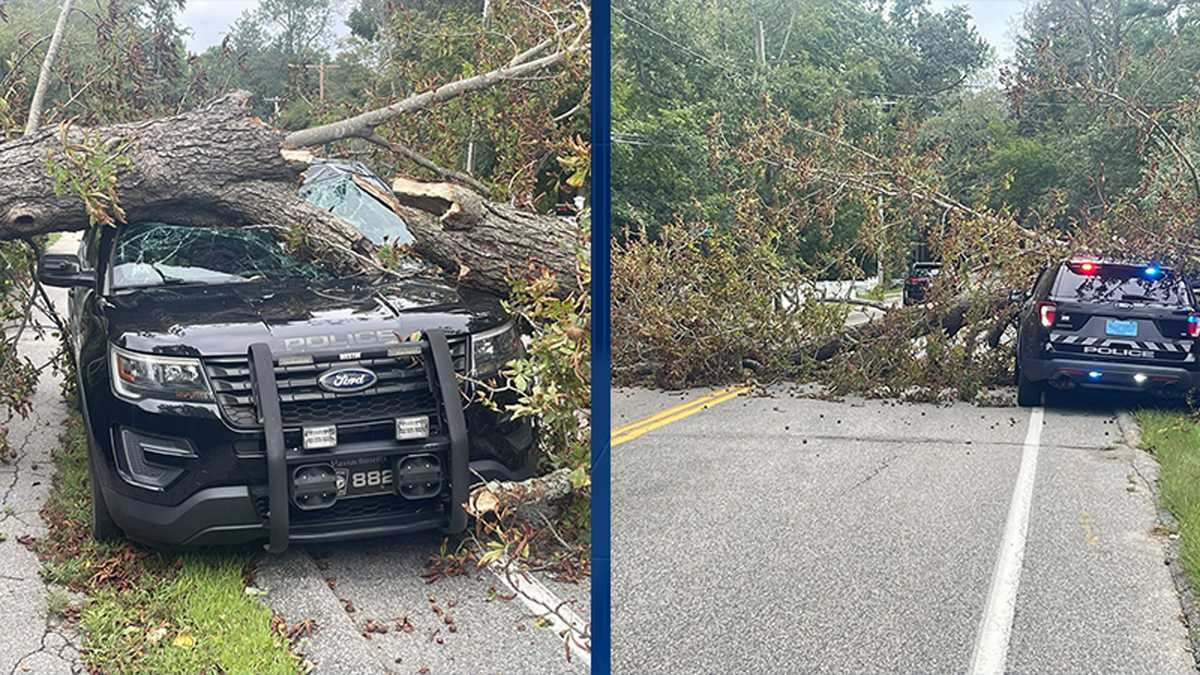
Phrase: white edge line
(995,627)
(537,597)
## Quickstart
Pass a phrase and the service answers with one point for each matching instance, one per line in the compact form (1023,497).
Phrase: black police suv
(233,392)
(1109,324)
(916,284)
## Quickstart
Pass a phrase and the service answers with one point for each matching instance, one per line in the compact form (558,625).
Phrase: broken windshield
(158,254)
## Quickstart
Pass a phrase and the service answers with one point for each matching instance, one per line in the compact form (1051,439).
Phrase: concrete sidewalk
(32,641)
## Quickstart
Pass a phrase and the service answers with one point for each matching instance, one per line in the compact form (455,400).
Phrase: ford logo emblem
(346,380)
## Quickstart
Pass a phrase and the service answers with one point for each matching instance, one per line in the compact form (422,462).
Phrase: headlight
(493,348)
(138,376)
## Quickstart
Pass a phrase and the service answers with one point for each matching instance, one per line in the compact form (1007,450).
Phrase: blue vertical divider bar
(601,333)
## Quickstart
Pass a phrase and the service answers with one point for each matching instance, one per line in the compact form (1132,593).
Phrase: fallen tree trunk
(494,495)
(219,166)
(950,320)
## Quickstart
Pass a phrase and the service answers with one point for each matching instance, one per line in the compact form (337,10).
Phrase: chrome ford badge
(346,380)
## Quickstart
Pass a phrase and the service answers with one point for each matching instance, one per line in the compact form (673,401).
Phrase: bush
(692,306)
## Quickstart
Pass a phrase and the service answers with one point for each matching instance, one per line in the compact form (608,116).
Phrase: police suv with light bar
(1107,324)
(234,392)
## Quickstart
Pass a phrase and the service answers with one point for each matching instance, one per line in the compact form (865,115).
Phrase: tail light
(1193,325)
(1047,312)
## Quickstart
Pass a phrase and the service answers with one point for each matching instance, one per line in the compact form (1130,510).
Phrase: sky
(996,21)
(210,20)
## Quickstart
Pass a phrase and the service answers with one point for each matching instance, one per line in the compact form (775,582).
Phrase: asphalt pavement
(460,624)
(790,534)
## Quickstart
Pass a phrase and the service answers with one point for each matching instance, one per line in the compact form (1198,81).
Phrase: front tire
(104,528)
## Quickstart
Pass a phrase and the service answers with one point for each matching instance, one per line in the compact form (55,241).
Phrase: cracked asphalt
(32,641)
(788,534)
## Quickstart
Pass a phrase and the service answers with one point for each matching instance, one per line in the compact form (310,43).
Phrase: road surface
(345,587)
(788,534)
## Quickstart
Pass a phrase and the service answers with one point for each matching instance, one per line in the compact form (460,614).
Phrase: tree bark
(219,166)
(363,126)
(950,320)
(43,83)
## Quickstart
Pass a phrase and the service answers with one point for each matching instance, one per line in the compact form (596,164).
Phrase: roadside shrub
(693,306)
(552,380)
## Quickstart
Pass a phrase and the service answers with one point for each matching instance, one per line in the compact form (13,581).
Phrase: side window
(1037,282)
(89,248)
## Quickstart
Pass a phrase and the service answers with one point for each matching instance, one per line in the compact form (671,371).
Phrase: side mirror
(1017,295)
(62,270)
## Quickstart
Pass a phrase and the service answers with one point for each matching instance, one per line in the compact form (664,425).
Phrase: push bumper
(222,516)
(1070,373)
(257,505)
(233,515)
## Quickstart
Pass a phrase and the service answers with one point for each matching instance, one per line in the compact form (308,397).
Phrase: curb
(1189,606)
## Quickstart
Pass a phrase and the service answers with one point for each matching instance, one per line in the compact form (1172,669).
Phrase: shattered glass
(338,194)
(158,254)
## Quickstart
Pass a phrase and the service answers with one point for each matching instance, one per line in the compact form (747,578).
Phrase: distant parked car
(916,284)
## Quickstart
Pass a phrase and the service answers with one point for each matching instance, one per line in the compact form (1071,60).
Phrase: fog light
(409,428)
(316,438)
(1094,375)
(1139,378)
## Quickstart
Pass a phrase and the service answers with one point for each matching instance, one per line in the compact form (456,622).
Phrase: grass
(1174,438)
(149,612)
(881,292)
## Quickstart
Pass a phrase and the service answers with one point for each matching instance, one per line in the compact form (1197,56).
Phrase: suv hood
(291,317)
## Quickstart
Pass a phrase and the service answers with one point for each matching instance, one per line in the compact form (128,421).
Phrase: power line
(742,78)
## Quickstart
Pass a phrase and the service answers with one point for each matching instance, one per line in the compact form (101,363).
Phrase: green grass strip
(1174,438)
(151,612)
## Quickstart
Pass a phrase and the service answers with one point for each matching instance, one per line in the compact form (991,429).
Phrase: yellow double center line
(662,418)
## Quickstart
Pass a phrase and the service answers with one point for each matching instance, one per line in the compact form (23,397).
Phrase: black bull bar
(436,350)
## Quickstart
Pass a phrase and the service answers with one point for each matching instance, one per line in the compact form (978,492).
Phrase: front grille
(404,387)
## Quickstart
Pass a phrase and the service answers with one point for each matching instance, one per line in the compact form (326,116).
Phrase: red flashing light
(1193,325)
(1088,267)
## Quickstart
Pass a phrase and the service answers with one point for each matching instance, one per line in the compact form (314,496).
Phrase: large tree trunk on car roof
(218,166)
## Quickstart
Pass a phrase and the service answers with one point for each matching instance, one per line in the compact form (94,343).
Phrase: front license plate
(362,476)
(1121,328)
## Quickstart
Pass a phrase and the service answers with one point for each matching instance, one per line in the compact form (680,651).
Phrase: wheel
(104,528)
(1029,393)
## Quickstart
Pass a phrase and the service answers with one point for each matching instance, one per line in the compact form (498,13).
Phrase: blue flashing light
(1094,375)
(1152,271)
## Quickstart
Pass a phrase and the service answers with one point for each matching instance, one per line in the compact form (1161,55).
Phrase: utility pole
(320,68)
(881,269)
(760,46)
